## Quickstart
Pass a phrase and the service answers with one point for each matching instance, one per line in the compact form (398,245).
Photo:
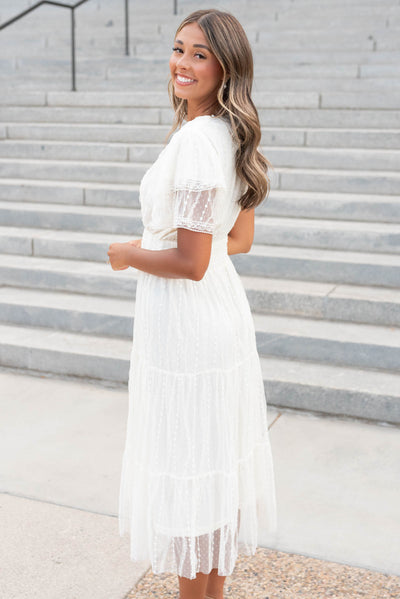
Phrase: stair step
(325,301)
(89,238)
(272,136)
(328,118)
(142,99)
(92,219)
(34,82)
(354,268)
(77,276)
(269,117)
(329,389)
(71,312)
(337,206)
(347,181)
(105,133)
(348,344)
(71,170)
(80,114)
(62,353)
(327,234)
(288,156)
(332,389)
(62,244)
(293,210)
(126,101)
(60,150)
(70,192)
(333,158)
(328,266)
(112,316)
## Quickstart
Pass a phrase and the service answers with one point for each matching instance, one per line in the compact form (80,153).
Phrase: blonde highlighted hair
(231,47)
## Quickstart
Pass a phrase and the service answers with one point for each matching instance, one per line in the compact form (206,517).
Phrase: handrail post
(175,7)
(127,27)
(72,9)
(73,49)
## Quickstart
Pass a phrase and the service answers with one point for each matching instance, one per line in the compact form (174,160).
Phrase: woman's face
(195,71)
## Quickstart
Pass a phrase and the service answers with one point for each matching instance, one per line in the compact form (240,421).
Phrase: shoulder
(205,131)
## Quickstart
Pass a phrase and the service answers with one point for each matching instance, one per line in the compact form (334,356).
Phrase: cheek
(213,73)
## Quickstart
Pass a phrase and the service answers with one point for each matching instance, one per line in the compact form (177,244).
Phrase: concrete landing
(61,443)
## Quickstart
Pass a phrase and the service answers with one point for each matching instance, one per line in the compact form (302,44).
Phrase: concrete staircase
(323,275)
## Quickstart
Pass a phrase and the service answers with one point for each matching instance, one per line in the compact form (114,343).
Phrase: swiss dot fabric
(194,209)
(197,482)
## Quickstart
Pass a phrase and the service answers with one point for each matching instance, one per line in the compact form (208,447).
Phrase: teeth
(183,79)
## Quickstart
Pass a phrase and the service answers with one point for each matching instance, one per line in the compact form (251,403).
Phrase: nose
(182,61)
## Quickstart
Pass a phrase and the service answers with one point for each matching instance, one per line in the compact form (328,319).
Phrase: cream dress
(197,482)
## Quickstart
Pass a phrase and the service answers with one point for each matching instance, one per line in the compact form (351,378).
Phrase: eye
(198,54)
(176,48)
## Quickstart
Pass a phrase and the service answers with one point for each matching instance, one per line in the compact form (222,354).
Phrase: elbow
(197,275)
(197,271)
(247,247)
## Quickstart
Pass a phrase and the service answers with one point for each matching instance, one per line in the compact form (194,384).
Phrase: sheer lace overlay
(197,481)
(194,209)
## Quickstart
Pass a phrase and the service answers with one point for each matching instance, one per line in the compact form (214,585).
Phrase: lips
(183,80)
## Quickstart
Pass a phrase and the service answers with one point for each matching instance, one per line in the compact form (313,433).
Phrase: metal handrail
(72,8)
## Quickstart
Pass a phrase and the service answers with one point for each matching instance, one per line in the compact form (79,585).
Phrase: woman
(197,483)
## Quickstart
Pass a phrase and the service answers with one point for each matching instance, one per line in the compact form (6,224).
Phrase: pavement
(61,445)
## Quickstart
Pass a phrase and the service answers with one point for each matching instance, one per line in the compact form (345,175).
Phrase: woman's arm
(240,237)
(189,260)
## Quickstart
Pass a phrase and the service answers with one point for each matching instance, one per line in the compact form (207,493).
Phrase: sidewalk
(61,445)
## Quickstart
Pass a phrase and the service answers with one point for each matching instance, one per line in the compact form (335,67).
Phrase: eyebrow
(194,45)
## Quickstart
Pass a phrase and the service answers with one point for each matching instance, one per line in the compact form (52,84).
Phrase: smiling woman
(197,482)
(196,74)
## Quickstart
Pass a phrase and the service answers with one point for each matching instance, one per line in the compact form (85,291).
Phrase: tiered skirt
(197,482)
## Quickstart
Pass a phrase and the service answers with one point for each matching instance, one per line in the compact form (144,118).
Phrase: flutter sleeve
(197,184)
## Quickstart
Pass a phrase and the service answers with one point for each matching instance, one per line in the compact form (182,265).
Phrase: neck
(199,110)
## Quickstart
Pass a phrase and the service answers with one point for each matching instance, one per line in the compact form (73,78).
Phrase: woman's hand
(116,254)
(136,242)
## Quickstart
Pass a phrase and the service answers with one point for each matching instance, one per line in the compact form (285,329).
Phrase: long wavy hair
(231,47)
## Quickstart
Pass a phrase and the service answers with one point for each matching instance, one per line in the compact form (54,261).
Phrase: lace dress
(197,482)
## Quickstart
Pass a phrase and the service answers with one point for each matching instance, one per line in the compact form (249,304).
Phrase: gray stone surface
(107,359)
(60,489)
(326,245)
(330,389)
(72,170)
(346,344)
(65,275)
(91,242)
(355,268)
(347,181)
(326,118)
(333,477)
(49,550)
(330,205)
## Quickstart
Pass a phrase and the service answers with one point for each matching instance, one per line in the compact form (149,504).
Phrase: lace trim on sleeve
(193,209)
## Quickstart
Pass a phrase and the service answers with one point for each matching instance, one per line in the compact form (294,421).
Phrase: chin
(180,93)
